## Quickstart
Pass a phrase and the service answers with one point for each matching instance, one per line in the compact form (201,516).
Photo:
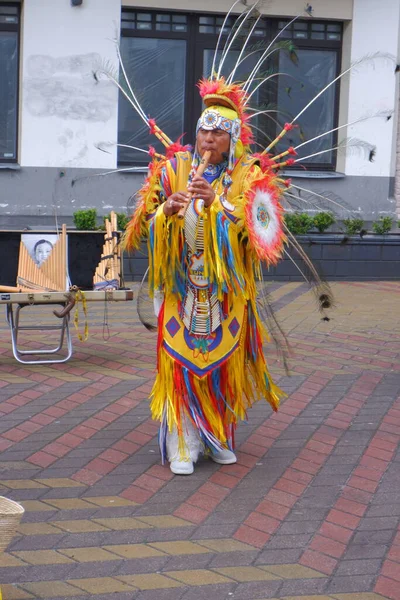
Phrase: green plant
(85,220)
(383,225)
(122,220)
(298,223)
(353,226)
(323,220)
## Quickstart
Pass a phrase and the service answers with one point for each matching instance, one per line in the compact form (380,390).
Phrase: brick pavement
(311,510)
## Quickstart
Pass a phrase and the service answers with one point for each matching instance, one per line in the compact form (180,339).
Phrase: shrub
(353,226)
(383,225)
(323,220)
(85,220)
(122,220)
(298,223)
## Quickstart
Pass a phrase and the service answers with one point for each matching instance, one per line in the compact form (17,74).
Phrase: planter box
(336,256)
(84,253)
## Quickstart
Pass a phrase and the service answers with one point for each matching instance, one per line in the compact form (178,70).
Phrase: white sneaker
(224,457)
(181,467)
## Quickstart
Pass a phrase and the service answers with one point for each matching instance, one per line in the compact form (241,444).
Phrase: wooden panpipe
(51,276)
(108,271)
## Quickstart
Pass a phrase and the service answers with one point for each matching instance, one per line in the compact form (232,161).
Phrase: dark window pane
(8,10)
(317,26)
(315,69)
(317,35)
(128,25)
(179,19)
(300,26)
(335,28)
(8,94)
(163,27)
(156,69)
(179,27)
(206,20)
(143,17)
(163,18)
(300,35)
(8,19)
(206,29)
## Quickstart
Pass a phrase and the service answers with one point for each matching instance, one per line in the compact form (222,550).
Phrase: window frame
(198,42)
(310,44)
(14,28)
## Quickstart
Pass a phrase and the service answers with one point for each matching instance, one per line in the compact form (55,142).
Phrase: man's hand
(200,188)
(175,202)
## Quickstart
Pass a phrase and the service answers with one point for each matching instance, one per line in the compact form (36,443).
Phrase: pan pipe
(51,276)
(108,271)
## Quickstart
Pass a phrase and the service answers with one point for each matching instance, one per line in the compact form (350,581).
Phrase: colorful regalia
(210,362)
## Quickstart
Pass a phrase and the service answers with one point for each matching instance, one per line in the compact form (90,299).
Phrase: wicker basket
(10,515)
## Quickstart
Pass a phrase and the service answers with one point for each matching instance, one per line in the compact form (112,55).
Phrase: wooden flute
(201,168)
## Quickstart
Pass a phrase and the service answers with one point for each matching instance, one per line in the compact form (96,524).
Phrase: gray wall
(31,197)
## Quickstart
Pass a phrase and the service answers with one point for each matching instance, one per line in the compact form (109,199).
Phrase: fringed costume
(210,366)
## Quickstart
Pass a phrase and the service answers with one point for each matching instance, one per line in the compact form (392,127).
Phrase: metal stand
(64,299)
(13,319)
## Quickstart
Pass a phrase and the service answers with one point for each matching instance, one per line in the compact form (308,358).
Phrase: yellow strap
(80,297)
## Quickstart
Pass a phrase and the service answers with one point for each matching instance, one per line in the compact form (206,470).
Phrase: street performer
(210,362)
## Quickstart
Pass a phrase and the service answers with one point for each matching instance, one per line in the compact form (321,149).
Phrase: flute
(201,168)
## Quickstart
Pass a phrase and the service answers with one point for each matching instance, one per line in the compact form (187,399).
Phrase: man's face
(215,140)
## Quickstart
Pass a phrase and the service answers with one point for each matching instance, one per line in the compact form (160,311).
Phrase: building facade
(60,124)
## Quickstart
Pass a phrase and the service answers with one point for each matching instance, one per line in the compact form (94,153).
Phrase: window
(318,48)
(9,47)
(165,54)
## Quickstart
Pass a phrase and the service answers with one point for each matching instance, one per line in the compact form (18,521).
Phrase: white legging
(193,443)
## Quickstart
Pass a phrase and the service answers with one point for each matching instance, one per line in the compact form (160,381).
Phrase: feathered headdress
(231,95)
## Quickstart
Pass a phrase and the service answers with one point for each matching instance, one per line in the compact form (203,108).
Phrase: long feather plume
(234,36)
(384,114)
(320,288)
(253,73)
(220,36)
(325,197)
(275,331)
(348,145)
(231,75)
(368,59)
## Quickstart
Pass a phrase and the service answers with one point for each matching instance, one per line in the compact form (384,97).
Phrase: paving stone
(43,590)
(99,585)
(150,582)
(11,592)
(194,561)
(43,557)
(353,583)
(303,587)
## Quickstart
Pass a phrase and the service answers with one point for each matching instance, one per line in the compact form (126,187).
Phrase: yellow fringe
(247,386)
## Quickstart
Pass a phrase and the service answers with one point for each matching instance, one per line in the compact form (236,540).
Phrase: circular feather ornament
(264,220)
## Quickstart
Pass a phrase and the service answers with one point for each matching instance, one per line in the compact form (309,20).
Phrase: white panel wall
(323,9)
(64,112)
(372,86)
